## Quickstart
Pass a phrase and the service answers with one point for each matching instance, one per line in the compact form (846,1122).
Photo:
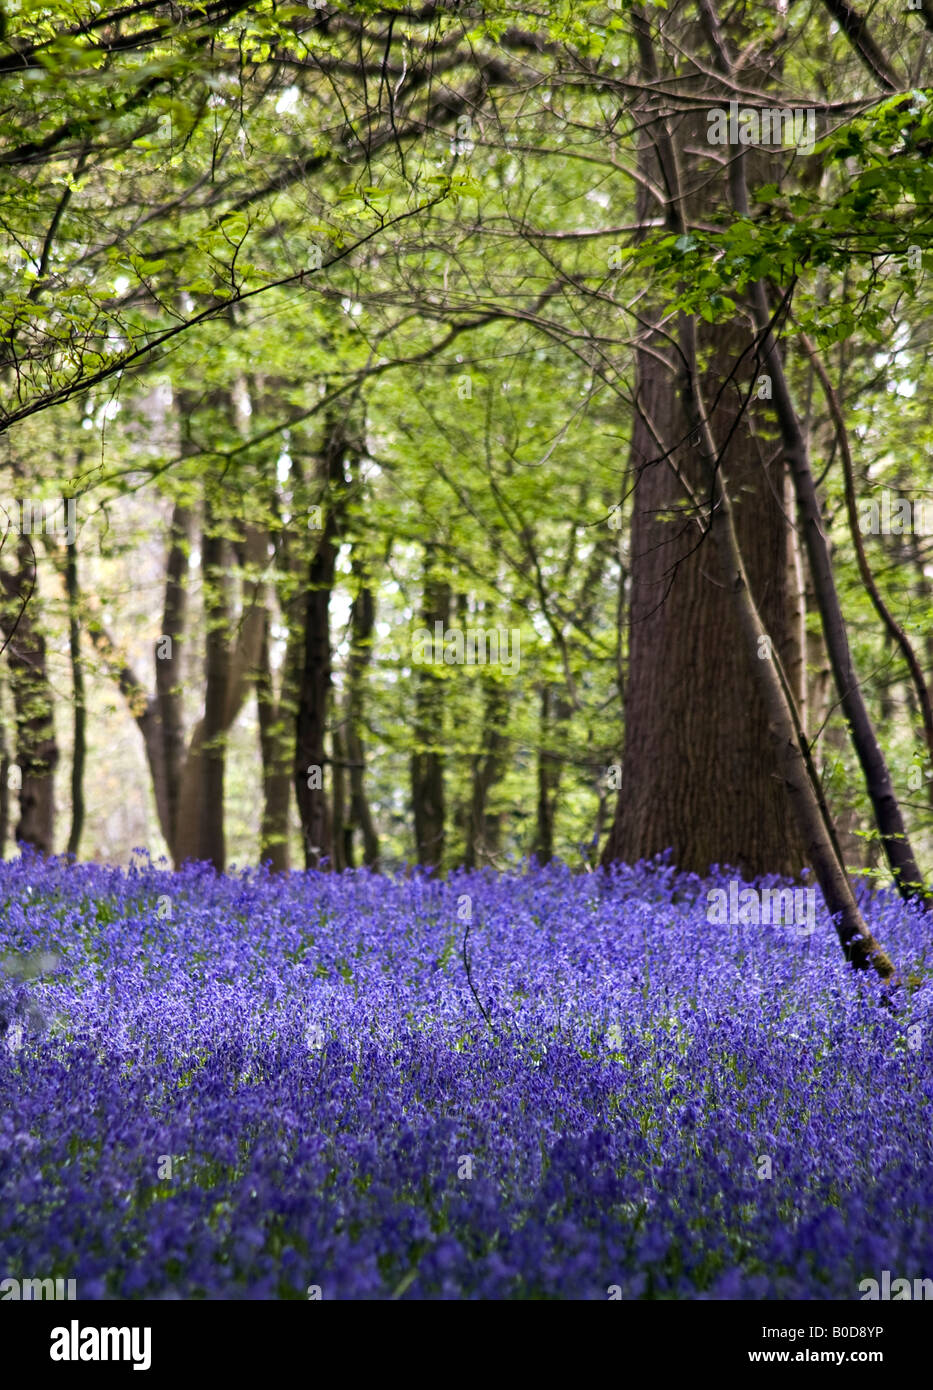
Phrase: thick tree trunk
(697,774)
(878,782)
(698,777)
(234,670)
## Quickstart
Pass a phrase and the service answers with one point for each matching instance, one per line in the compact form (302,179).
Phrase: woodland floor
(249,1087)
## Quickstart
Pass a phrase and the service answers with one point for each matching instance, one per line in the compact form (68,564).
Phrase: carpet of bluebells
(257,1087)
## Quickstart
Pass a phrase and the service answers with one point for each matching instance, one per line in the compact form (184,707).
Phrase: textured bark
(698,773)
(240,658)
(427,760)
(887,812)
(36,751)
(788,742)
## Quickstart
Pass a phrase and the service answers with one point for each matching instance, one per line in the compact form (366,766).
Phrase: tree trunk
(36,748)
(215,561)
(787,739)
(483,829)
(362,626)
(232,668)
(427,760)
(80,712)
(548,776)
(890,822)
(168,666)
(897,848)
(315,673)
(276,740)
(553,716)
(4,787)
(343,831)
(698,777)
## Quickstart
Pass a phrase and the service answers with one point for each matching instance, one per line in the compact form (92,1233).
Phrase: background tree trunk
(552,713)
(80,713)
(4,785)
(315,674)
(36,752)
(276,739)
(427,760)
(215,561)
(484,829)
(362,627)
(169,652)
(234,670)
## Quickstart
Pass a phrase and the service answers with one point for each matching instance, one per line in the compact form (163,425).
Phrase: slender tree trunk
(786,735)
(554,712)
(33,701)
(215,560)
(796,607)
(362,627)
(889,820)
(4,787)
(315,673)
(483,829)
(169,651)
(427,760)
(276,738)
(548,775)
(80,712)
(343,830)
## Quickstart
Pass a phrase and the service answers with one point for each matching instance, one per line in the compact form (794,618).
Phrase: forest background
(324,325)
